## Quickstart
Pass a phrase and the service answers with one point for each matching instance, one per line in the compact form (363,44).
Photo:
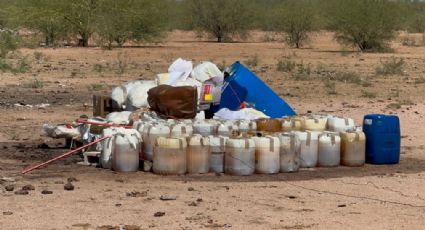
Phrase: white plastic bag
(205,71)
(182,66)
(243,114)
(119,118)
(138,95)
(60,131)
(119,95)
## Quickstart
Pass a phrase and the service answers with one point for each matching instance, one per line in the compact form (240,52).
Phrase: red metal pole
(25,171)
(102,124)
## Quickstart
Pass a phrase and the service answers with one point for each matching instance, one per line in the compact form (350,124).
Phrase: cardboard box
(102,105)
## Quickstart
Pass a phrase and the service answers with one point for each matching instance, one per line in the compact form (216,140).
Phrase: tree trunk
(84,40)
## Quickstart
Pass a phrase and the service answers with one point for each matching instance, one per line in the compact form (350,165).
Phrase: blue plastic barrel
(382,138)
(242,85)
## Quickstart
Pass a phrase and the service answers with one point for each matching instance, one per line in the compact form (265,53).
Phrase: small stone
(342,206)
(28,187)
(8,213)
(118,205)
(21,192)
(159,214)
(68,187)
(7,179)
(43,146)
(227,225)
(291,197)
(46,192)
(137,194)
(168,197)
(193,204)
(9,187)
(72,179)
(199,200)
(190,189)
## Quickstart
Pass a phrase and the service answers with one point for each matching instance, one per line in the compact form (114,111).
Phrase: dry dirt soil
(369,197)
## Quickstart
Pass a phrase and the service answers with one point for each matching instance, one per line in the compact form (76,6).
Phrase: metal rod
(32,168)
(102,124)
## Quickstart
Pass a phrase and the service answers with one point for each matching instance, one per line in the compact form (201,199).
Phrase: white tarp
(243,114)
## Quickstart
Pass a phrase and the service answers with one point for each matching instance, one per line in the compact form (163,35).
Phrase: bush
(408,41)
(96,87)
(330,87)
(296,21)
(366,24)
(303,72)
(286,65)
(394,66)
(8,42)
(38,56)
(98,68)
(347,77)
(121,63)
(368,94)
(34,84)
(4,66)
(252,61)
(23,65)
(420,80)
(222,19)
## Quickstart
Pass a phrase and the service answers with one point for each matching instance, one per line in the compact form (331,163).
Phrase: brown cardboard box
(102,105)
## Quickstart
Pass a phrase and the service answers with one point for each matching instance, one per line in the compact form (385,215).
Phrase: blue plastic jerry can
(242,85)
(382,138)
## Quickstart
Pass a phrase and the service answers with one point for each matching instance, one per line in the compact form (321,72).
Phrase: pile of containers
(265,146)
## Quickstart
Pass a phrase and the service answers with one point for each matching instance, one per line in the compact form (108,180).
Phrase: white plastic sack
(205,71)
(243,114)
(191,82)
(119,95)
(138,94)
(181,66)
(60,131)
(119,118)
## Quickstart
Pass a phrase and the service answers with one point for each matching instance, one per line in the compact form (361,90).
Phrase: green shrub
(8,42)
(303,72)
(296,20)
(408,41)
(368,25)
(394,105)
(96,87)
(34,84)
(98,68)
(368,94)
(23,65)
(286,65)
(121,63)
(420,80)
(252,61)
(393,66)
(347,77)
(330,87)
(38,56)
(4,66)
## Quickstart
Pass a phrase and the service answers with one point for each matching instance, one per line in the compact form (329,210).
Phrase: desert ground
(369,197)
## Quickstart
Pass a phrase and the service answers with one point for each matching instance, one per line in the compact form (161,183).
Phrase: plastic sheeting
(243,114)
